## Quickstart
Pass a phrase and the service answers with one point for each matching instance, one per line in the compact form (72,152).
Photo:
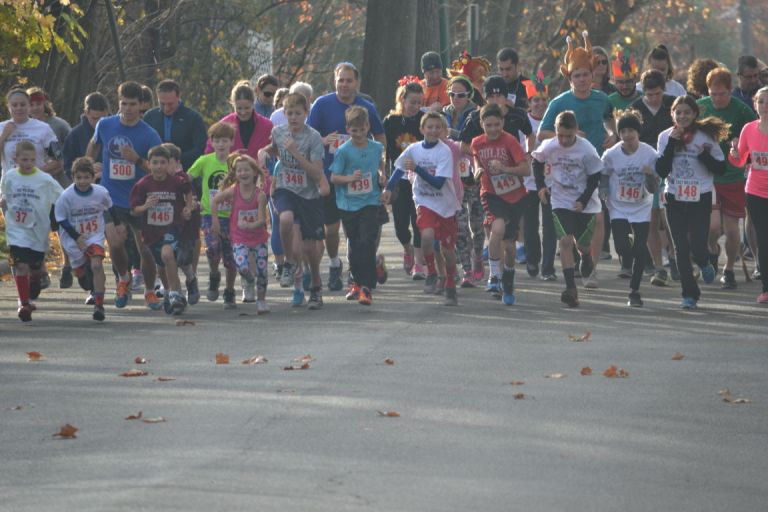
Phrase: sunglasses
(268,94)
(604,62)
(459,94)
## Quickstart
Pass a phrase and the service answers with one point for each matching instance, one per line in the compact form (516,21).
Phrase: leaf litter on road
(222,358)
(134,373)
(136,416)
(728,397)
(679,356)
(613,372)
(389,414)
(35,356)
(257,359)
(586,371)
(67,432)
(579,338)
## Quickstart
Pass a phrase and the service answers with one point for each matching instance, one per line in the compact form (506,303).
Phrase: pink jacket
(260,138)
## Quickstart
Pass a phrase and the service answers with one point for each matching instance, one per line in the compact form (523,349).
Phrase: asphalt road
(258,437)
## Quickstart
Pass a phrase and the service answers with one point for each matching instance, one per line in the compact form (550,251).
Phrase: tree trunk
(427,32)
(390,36)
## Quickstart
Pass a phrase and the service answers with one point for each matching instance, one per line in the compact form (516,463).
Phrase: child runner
(27,195)
(430,169)
(753,143)
(357,171)
(80,215)
(689,156)
(212,169)
(630,179)
(500,164)
(247,223)
(574,168)
(163,202)
(299,182)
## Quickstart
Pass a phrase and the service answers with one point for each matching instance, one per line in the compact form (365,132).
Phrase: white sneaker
(591,281)
(249,291)
(261,307)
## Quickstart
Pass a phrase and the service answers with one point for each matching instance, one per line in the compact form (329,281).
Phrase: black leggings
(539,249)
(758,211)
(362,230)
(632,252)
(689,226)
(404,212)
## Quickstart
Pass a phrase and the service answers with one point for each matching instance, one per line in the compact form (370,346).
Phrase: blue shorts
(182,249)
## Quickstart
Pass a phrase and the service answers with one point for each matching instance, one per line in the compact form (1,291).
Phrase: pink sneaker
(762,298)
(418,273)
(478,271)
(408,262)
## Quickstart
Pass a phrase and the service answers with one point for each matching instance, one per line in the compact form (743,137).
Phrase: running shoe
(137,280)
(408,262)
(277,270)
(430,284)
(45,281)
(214,278)
(688,303)
(520,255)
(65,281)
(606,255)
(708,273)
(548,277)
(365,296)
(756,275)
(728,280)
(418,273)
(587,266)
(85,281)
(152,301)
(634,300)
(570,296)
(762,298)
(508,287)
(229,298)
(532,269)
(492,286)
(660,278)
(354,292)
(35,287)
(334,278)
(249,292)
(440,286)
(649,270)
(625,273)
(467,280)
(306,281)
(98,313)
(315,299)
(478,270)
(591,282)
(25,312)
(451,297)
(122,294)
(90,300)
(289,271)
(485,253)
(298,298)
(178,303)
(382,274)
(193,291)
(261,307)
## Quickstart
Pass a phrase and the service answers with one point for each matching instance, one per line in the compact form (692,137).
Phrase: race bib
(160,215)
(361,187)
(249,216)
(24,217)
(630,192)
(465,167)
(223,207)
(88,225)
(760,161)
(504,183)
(687,190)
(121,169)
(511,98)
(294,178)
(341,138)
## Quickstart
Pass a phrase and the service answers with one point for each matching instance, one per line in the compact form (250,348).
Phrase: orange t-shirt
(435,93)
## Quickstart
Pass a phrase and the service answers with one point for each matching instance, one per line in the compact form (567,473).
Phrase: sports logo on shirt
(116,144)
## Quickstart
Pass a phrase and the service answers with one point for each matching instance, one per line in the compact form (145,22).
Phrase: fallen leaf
(34,356)
(16,408)
(586,371)
(134,373)
(136,416)
(159,419)
(727,397)
(286,390)
(165,379)
(555,376)
(389,414)
(678,356)
(389,361)
(222,358)
(614,372)
(140,360)
(67,432)
(181,323)
(518,396)
(517,382)
(304,359)
(259,359)
(304,366)
(583,337)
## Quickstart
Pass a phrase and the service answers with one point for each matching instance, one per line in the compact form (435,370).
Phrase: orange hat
(576,58)
(475,68)
(537,85)
(623,64)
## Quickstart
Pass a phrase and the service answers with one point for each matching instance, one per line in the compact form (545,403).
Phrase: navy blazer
(188,131)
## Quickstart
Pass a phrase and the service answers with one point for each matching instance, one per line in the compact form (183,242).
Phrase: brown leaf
(304,359)
(286,390)
(16,408)
(555,376)
(136,416)
(304,366)
(67,432)
(727,397)
(613,372)
(517,382)
(182,323)
(389,361)
(134,373)
(518,396)
(258,359)
(389,414)
(159,419)
(35,356)
(222,358)
(165,379)
(586,371)
(678,356)
(583,337)
(140,360)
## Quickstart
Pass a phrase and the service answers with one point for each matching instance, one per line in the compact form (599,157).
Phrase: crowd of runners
(480,168)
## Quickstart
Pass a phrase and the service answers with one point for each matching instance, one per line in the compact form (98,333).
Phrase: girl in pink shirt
(753,144)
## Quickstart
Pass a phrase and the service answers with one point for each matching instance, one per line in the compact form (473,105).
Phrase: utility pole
(745,15)
(115,38)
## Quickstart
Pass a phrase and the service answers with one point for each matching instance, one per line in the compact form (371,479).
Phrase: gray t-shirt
(288,173)
(60,127)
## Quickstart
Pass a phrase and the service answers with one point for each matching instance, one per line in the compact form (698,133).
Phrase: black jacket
(188,131)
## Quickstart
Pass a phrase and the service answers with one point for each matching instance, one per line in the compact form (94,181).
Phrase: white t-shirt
(671,87)
(438,161)
(85,213)
(37,132)
(278,117)
(568,169)
(28,207)
(689,177)
(628,198)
